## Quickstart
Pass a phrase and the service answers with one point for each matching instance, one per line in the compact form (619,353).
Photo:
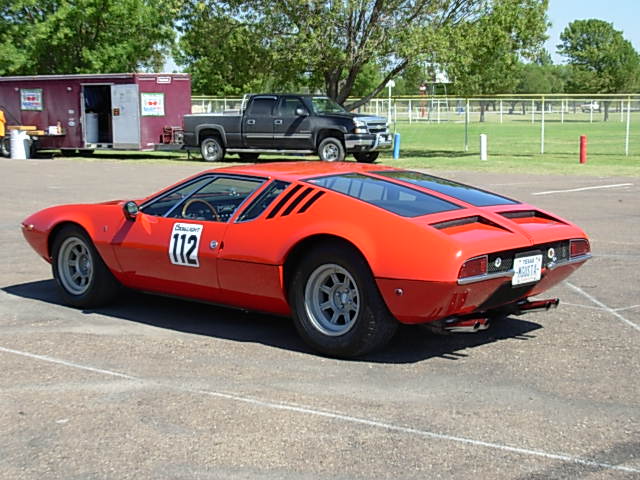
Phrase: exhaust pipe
(466,325)
(527,306)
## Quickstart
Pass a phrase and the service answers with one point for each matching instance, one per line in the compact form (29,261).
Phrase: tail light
(579,247)
(474,267)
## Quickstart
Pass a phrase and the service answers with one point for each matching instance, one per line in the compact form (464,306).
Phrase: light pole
(390,85)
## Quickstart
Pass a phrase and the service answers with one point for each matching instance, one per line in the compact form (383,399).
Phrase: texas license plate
(526,269)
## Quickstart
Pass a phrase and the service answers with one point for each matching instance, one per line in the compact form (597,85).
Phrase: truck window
(262,106)
(288,106)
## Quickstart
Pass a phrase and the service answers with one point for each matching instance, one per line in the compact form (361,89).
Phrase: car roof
(293,171)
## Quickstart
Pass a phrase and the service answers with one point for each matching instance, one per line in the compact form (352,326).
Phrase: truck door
(125,114)
(257,124)
(290,130)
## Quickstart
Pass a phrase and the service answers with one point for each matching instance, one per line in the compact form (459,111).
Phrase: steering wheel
(191,201)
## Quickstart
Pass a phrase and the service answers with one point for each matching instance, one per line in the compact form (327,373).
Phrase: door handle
(251,122)
(277,122)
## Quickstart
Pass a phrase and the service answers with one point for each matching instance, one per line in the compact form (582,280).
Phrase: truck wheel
(5,147)
(337,308)
(366,157)
(211,149)
(331,150)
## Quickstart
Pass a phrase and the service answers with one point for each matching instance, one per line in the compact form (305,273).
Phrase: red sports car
(349,250)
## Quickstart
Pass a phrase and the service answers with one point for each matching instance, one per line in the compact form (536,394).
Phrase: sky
(624,14)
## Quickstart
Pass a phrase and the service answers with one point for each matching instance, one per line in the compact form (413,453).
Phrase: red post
(583,149)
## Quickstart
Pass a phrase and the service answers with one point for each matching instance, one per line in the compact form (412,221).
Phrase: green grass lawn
(513,146)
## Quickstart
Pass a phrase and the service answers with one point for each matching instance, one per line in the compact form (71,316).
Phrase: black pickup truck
(287,124)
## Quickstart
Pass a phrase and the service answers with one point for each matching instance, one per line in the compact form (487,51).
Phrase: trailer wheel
(68,152)
(86,152)
(5,147)
(211,149)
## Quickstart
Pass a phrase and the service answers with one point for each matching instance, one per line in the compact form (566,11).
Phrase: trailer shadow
(410,345)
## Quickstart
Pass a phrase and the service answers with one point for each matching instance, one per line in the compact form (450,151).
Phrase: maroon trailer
(115,111)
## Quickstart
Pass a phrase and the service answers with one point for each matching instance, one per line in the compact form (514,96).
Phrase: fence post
(500,111)
(621,111)
(533,111)
(626,140)
(466,127)
(410,112)
(483,146)
(590,111)
(542,129)
(562,111)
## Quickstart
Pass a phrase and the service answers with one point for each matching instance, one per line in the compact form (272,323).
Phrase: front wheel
(331,150)
(366,157)
(211,149)
(83,278)
(337,308)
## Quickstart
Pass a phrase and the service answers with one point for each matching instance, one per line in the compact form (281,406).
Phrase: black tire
(96,285)
(248,157)
(365,323)
(68,152)
(211,149)
(87,152)
(366,157)
(5,146)
(331,150)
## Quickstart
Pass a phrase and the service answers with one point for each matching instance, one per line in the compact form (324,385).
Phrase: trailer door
(125,111)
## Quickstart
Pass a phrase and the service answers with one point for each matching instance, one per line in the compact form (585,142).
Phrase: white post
(410,112)
(438,107)
(542,129)
(590,111)
(483,146)
(466,127)
(626,140)
(377,108)
(395,112)
(562,111)
(225,105)
(621,111)
(533,111)
(500,111)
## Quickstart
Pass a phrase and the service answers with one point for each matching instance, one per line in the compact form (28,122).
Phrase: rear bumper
(414,301)
(368,142)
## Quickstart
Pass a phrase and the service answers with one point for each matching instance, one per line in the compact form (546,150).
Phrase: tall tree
(333,44)
(84,36)
(600,59)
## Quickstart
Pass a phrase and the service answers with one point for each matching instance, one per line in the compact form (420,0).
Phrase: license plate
(527,269)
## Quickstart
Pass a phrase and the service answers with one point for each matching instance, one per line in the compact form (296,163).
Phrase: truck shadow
(410,345)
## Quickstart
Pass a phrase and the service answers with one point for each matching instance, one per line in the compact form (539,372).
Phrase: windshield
(326,105)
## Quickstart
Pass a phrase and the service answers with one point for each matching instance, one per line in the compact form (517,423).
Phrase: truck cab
(288,124)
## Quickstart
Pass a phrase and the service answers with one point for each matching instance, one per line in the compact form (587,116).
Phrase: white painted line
(602,305)
(592,307)
(338,416)
(549,192)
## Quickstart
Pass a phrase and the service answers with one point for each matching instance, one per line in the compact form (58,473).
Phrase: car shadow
(410,345)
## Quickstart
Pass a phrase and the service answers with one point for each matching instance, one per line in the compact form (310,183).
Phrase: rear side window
(262,106)
(401,200)
(472,195)
(262,202)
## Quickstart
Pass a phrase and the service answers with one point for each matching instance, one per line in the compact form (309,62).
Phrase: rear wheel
(68,152)
(86,152)
(83,278)
(211,149)
(331,150)
(366,157)
(337,308)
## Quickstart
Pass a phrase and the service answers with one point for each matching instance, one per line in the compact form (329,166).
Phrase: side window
(289,105)
(217,201)
(262,202)
(161,205)
(262,106)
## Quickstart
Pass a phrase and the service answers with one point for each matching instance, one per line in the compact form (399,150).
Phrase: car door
(257,124)
(173,244)
(292,131)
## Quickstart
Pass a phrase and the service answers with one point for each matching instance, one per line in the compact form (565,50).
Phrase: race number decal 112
(184,243)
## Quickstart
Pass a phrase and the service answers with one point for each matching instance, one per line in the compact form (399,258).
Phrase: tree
(600,59)
(335,45)
(84,36)
(484,55)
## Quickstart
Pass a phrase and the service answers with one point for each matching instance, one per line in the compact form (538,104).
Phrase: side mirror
(301,112)
(130,210)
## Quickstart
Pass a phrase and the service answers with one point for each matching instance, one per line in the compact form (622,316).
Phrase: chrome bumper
(368,142)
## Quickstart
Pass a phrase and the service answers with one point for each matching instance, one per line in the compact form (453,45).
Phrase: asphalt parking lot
(161,388)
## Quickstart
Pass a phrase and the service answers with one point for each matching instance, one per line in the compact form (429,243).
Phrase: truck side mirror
(301,112)
(130,210)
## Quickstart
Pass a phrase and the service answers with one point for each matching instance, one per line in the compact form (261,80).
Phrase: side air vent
(459,222)
(298,198)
